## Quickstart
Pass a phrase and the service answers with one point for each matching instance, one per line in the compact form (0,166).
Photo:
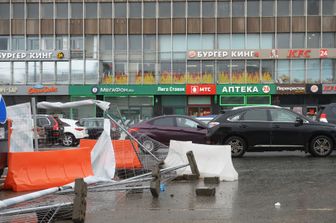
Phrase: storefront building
(287,45)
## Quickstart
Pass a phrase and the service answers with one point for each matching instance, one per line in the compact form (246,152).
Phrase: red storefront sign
(200,89)
(299,53)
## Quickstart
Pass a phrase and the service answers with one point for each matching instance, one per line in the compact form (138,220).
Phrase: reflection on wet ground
(303,185)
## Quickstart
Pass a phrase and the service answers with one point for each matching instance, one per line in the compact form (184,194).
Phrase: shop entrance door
(199,111)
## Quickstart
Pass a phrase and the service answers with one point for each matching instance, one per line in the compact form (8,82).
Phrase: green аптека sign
(126,90)
(245,89)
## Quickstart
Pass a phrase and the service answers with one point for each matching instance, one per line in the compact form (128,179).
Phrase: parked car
(169,127)
(95,127)
(327,114)
(52,126)
(266,128)
(73,132)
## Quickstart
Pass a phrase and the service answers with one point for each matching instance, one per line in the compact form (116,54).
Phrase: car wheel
(321,146)
(68,140)
(238,146)
(149,145)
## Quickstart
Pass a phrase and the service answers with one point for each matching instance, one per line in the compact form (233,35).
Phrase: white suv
(73,132)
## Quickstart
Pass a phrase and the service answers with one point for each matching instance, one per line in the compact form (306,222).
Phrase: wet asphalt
(303,185)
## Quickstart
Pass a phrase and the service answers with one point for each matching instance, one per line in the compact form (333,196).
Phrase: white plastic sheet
(212,160)
(74,104)
(21,139)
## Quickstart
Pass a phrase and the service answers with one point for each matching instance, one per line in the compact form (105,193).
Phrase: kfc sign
(329,89)
(299,53)
(201,89)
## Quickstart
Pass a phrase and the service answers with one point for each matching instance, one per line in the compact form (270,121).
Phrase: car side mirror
(298,121)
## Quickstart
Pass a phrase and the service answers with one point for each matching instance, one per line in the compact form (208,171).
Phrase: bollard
(79,206)
(155,182)
(193,164)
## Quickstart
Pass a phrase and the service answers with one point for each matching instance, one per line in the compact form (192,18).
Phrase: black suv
(270,128)
(327,114)
(95,127)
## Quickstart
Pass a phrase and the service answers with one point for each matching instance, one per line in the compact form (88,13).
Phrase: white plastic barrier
(212,160)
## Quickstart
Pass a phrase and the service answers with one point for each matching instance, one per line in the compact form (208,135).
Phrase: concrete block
(206,191)
(211,180)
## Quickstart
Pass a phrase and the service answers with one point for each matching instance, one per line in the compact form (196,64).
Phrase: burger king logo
(60,55)
(192,54)
(314,88)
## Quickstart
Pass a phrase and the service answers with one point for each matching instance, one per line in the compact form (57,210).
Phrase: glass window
(283,40)
(313,40)
(238,71)
(253,73)
(313,71)
(268,8)
(298,7)
(33,43)
(223,72)
(283,71)
(18,43)
(194,42)
(208,72)
(4,43)
(186,123)
(208,42)
(120,42)
(47,11)
(149,10)
(238,41)
(149,73)
(328,71)
(267,41)
(283,7)
(223,8)
(313,7)
(329,7)
(76,42)
(34,73)
(255,115)
(91,10)
(105,43)
(238,8)
(167,121)
(164,9)
(77,72)
(208,9)
(4,11)
(179,9)
(91,71)
(279,115)
(298,71)
(47,43)
(298,40)
(194,72)
(61,10)
(62,43)
(105,10)
(120,10)
(267,71)
(252,41)
(193,9)
(76,10)
(134,10)
(223,41)
(91,46)
(253,8)
(19,72)
(5,77)
(106,70)
(135,43)
(18,10)
(32,10)
(328,40)
(62,72)
(179,43)
(48,72)
(149,43)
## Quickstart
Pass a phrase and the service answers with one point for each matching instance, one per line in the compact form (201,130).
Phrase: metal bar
(122,188)
(33,103)
(34,209)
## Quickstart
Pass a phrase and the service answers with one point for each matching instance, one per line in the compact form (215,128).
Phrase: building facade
(219,53)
